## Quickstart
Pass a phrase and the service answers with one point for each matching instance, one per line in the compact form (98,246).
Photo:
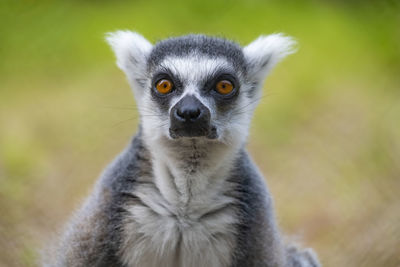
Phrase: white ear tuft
(131,50)
(263,53)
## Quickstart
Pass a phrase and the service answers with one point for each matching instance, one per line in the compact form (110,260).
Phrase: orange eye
(164,86)
(224,87)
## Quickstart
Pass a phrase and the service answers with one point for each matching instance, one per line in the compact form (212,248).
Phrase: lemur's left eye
(224,87)
(164,86)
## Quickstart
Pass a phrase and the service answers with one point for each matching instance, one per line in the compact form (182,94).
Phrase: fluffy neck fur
(190,172)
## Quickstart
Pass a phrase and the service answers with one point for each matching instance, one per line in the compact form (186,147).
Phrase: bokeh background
(326,134)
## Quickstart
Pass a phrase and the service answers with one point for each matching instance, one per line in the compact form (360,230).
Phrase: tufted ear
(131,50)
(263,53)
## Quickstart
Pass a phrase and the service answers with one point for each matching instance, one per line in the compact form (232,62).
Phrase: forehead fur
(197,44)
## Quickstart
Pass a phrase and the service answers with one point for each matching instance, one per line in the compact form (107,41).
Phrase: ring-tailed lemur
(185,193)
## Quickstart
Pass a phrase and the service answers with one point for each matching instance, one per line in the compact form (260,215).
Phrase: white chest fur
(159,234)
(183,216)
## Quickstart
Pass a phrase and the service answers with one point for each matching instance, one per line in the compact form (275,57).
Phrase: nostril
(194,114)
(180,114)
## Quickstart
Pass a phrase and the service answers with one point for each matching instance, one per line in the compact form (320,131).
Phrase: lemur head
(196,86)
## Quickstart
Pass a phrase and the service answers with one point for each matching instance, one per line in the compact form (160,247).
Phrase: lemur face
(204,90)
(202,94)
(197,86)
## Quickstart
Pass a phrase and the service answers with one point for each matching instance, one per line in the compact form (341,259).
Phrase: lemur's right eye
(164,86)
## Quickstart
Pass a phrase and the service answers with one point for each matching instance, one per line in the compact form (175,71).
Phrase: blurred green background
(326,134)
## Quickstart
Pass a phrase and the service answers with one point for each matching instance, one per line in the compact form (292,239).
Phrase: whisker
(123,121)
(250,103)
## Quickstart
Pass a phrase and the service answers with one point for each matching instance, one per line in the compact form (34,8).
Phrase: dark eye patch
(165,73)
(208,86)
(164,100)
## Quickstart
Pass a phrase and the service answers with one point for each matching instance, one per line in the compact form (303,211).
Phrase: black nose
(190,110)
(189,117)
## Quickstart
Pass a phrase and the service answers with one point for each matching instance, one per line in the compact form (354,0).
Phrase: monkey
(185,192)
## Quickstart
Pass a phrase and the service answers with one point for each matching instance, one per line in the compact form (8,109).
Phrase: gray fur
(197,43)
(183,202)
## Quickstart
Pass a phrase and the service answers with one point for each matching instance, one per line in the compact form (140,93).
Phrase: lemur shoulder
(185,193)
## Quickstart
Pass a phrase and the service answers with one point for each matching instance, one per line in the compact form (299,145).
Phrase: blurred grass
(327,134)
